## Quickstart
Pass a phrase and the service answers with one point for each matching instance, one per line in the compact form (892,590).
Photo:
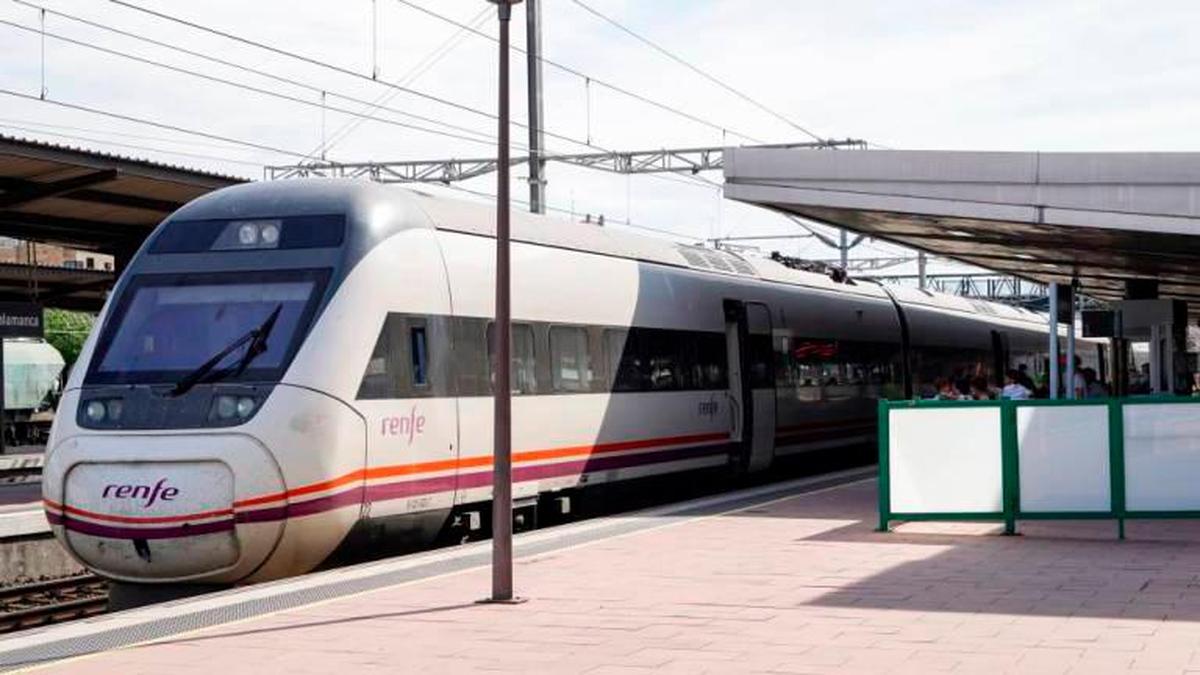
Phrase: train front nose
(163,508)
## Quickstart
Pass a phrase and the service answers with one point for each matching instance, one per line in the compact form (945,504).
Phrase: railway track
(40,603)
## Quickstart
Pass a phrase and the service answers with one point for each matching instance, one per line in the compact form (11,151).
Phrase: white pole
(1071,349)
(1053,321)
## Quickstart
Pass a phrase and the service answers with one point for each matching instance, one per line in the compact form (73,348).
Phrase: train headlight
(269,234)
(227,409)
(245,406)
(95,411)
(249,235)
(103,411)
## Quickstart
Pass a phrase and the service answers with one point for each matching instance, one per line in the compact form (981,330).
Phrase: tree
(67,330)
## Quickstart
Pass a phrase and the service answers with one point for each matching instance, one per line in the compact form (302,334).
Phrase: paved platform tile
(801,584)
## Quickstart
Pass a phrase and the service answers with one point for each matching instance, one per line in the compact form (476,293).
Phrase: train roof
(380,210)
(475,218)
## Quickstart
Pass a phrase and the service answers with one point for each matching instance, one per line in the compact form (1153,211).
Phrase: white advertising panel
(1062,458)
(1162,457)
(945,460)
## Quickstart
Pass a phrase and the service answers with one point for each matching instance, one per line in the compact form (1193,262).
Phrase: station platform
(787,578)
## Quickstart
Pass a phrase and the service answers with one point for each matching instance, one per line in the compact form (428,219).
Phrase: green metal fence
(1184,450)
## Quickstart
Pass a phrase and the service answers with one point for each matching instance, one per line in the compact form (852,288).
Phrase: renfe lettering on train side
(151,493)
(409,427)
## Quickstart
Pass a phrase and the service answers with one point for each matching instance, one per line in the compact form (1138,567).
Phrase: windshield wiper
(257,339)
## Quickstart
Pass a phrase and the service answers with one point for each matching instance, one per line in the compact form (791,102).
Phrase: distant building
(51,255)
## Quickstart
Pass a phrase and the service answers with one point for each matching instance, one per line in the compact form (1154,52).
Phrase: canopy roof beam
(32,191)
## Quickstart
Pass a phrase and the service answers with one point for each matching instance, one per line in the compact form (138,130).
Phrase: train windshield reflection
(166,327)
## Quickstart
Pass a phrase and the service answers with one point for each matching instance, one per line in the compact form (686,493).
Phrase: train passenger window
(711,356)
(523,364)
(811,368)
(382,377)
(401,364)
(420,356)
(667,359)
(374,382)
(570,362)
(762,370)
(624,365)
(657,359)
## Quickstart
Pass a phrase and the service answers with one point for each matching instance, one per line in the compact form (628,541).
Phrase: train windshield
(165,326)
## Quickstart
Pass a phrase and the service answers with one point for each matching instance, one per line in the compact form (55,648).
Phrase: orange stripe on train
(477,462)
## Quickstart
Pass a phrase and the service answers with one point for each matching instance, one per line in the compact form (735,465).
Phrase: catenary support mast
(537,137)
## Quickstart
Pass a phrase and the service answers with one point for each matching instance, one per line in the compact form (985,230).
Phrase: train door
(751,384)
(760,371)
(739,413)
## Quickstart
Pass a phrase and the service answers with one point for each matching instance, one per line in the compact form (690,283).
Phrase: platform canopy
(90,200)
(62,287)
(83,199)
(1104,218)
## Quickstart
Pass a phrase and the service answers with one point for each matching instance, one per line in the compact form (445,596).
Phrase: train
(288,366)
(32,383)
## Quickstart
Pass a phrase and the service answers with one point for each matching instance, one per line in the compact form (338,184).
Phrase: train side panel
(403,458)
(569,429)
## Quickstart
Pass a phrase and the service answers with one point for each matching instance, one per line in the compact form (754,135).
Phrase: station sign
(21,319)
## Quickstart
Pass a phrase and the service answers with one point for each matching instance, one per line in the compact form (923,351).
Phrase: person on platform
(946,391)
(979,389)
(1095,388)
(1024,379)
(1013,389)
(1080,384)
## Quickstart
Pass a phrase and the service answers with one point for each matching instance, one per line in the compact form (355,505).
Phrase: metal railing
(1006,461)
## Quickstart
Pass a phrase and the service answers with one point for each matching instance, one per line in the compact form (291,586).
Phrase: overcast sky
(919,74)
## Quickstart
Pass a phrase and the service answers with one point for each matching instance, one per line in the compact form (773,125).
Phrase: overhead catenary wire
(46,127)
(161,125)
(559,209)
(696,69)
(420,68)
(574,71)
(322,106)
(316,89)
(49,131)
(482,139)
(328,66)
(695,181)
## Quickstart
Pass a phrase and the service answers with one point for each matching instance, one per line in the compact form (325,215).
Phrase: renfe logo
(151,493)
(411,426)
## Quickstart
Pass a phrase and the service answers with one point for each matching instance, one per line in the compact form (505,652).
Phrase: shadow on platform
(1052,568)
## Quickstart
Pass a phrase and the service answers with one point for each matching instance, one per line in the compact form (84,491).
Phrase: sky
(921,74)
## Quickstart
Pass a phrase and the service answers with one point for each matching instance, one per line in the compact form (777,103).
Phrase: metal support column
(502,517)
(922,261)
(843,248)
(1070,386)
(533,49)
(1052,289)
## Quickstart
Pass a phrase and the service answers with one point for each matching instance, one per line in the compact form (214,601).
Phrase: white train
(285,363)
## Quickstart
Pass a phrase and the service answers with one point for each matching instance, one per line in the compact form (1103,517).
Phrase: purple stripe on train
(386,491)
(117,532)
